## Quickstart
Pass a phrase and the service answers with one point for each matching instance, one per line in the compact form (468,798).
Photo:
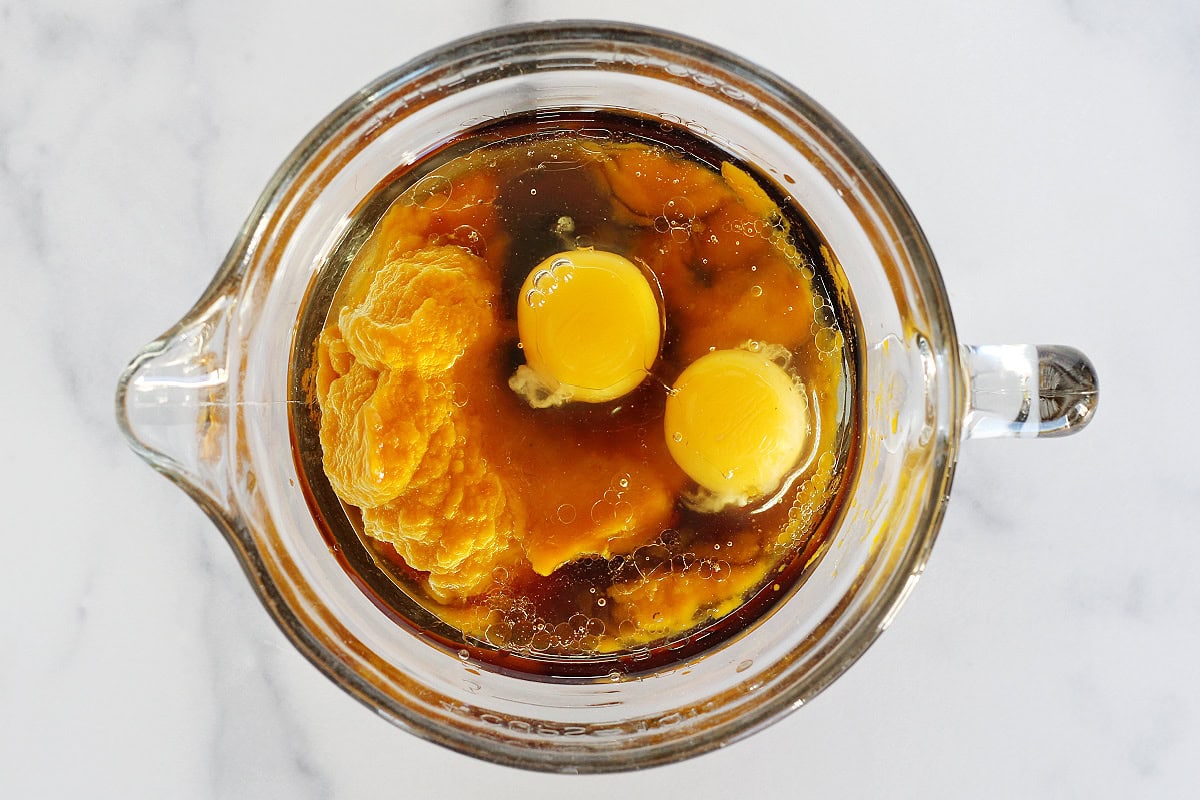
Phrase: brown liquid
(548,194)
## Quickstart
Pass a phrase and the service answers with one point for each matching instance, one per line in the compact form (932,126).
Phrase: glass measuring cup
(207,403)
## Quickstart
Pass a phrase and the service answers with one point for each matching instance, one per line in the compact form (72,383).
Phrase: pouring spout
(172,403)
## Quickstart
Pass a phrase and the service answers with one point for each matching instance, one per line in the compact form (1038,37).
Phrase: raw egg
(590,327)
(736,422)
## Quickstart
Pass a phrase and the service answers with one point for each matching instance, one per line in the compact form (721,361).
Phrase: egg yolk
(589,325)
(736,422)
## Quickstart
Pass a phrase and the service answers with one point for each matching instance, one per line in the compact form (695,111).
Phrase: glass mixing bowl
(207,403)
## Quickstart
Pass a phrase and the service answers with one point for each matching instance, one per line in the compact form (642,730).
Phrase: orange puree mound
(395,441)
(456,521)
(371,444)
(421,312)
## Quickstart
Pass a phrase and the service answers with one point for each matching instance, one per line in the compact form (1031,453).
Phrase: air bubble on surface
(535,298)
(498,635)
(431,192)
(679,208)
(470,238)
(828,340)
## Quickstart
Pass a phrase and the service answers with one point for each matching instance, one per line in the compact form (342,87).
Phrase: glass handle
(1027,391)
(171,403)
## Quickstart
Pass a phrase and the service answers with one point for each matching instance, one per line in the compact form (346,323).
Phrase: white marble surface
(1049,148)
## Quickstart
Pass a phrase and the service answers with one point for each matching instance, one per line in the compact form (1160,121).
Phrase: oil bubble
(828,340)
(497,635)
(469,238)
(431,192)
(756,291)
(522,634)
(566,513)
(679,208)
